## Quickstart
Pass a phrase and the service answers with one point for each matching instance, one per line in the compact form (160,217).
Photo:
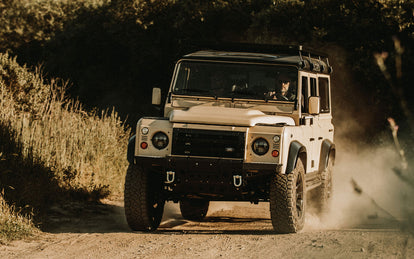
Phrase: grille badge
(208,143)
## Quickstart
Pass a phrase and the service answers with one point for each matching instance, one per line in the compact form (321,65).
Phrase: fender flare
(295,149)
(327,149)
(131,149)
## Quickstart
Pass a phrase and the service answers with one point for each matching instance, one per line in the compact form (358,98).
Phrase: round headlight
(160,140)
(144,131)
(276,138)
(260,146)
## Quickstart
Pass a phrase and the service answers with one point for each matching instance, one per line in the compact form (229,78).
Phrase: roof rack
(270,49)
(262,48)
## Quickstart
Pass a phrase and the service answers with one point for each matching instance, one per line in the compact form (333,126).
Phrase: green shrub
(25,21)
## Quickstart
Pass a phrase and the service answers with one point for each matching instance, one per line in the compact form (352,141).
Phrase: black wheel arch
(131,149)
(296,150)
(327,150)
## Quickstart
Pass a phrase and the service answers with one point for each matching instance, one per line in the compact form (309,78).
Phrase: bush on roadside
(50,148)
(12,225)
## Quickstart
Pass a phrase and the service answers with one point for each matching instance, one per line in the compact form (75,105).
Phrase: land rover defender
(250,125)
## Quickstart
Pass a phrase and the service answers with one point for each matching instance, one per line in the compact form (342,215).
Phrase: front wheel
(194,209)
(287,200)
(144,203)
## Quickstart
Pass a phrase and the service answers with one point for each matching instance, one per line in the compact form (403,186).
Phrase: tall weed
(12,225)
(51,140)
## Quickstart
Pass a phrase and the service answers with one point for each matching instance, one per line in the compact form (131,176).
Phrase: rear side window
(313,87)
(324,94)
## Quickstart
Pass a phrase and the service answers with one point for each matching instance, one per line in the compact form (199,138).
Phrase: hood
(226,116)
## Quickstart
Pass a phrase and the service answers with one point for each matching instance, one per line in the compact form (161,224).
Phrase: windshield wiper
(189,90)
(243,93)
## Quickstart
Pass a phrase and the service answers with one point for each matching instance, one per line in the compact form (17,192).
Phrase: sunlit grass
(12,225)
(84,151)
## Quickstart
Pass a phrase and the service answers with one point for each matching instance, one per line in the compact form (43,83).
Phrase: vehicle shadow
(218,225)
(84,217)
(108,217)
(215,232)
(75,217)
(235,219)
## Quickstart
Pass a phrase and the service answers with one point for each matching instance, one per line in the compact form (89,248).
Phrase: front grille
(208,143)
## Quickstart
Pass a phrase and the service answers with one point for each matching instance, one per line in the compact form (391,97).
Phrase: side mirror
(314,105)
(156,96)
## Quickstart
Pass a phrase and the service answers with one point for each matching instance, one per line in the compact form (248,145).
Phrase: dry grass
(12,225)
(84,150)
(49,144)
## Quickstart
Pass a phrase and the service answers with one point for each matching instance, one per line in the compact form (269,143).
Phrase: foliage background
(114,52)
(111,53)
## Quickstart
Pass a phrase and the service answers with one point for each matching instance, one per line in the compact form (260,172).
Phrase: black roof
(244,56)
(304,59)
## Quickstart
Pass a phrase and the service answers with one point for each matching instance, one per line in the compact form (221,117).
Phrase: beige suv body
(237,126)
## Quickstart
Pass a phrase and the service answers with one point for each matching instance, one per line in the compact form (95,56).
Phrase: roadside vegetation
(13,225)
(51,149)
(111,54)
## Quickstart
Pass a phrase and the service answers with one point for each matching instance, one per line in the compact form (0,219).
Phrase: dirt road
(362,224)
(231,230)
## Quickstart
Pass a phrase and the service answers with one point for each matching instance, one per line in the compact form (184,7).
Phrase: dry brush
(50,147)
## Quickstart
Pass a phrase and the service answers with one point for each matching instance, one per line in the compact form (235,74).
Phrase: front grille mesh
(208,143)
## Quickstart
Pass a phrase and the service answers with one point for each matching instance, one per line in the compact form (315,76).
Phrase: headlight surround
(160,140)
(260,146)
(144,131)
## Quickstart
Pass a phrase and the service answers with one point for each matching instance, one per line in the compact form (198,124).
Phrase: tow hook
(170,177)
(237,180)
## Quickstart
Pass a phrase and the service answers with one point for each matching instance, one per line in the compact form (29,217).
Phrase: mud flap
(131,149)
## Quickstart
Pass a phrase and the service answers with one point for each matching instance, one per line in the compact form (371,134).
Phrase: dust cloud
(367,193)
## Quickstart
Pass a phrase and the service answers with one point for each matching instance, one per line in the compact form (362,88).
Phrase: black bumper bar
(212,178)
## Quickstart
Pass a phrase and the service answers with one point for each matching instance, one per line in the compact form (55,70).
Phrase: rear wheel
(144,203)
(194,209)
(323,194)
(287,200)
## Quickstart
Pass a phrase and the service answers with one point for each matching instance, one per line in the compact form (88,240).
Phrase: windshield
(237,80)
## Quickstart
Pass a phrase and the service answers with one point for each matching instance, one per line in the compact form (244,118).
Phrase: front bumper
(212,178)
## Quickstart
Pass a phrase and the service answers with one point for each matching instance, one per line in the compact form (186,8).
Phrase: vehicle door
(325,115)
(309,122)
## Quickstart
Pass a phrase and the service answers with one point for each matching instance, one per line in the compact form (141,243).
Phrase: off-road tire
(144,204)
(322,195)
(194,209)
(288,200)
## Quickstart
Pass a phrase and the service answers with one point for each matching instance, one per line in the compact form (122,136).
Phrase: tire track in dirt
(230,230)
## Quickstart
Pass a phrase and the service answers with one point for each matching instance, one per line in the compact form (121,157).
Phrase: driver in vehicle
(283,90)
